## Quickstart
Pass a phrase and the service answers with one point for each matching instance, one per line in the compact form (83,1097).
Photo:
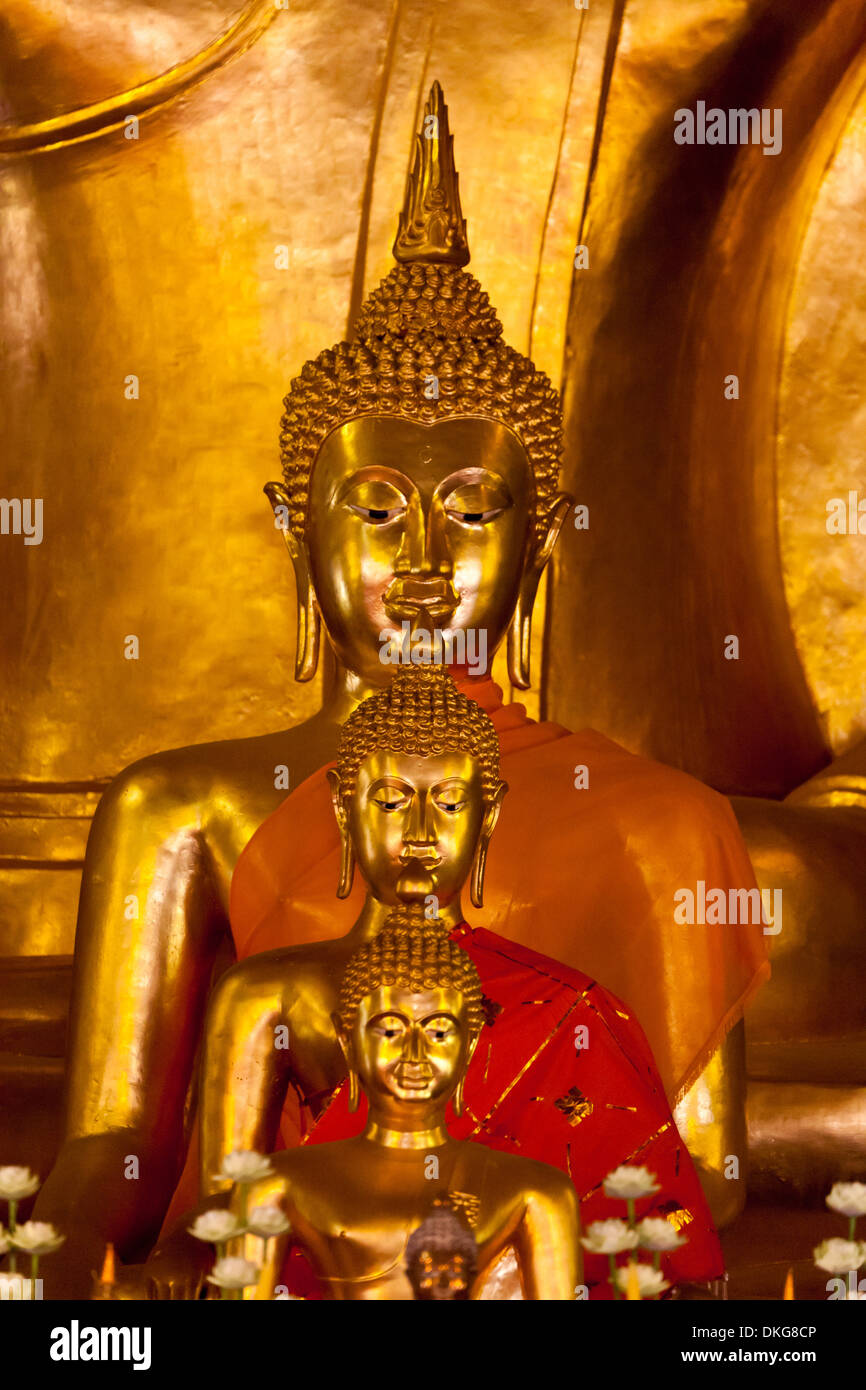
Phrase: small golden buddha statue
(420,466)
(442,1257)
(409,1018)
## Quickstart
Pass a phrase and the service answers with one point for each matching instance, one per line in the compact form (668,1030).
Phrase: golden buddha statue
(420,465)
(410,1015)
(417,795)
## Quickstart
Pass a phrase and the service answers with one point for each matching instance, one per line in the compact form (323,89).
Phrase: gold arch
(100,117)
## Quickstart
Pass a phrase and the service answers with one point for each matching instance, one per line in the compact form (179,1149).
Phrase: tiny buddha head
(441,1256)
(420,460)
(417,791)
(409,1018)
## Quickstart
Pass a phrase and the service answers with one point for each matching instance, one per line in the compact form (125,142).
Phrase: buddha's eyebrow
(390,780)
(375,473)
(472,475)
(440,1013)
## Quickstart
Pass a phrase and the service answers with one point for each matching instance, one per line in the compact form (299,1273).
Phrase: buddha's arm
(547,1240)
(267,1255)
(246,1063)
(244,1078)
(150,922)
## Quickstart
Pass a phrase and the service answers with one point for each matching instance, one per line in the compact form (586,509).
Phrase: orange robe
(586,877)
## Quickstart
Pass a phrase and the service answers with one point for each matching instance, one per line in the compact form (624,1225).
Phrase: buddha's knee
(711,1118)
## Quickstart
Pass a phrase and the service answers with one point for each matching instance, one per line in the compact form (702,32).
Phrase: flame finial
(432,228)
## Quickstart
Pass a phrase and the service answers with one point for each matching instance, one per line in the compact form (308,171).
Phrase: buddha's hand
(178,1267)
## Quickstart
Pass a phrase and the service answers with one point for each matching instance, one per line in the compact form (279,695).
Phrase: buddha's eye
(379,516)
(391,801)
(474,504)
(451,799)
(388,1027)
(439,1029)
(376,502)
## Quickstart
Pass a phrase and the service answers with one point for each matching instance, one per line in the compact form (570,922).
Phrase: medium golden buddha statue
(410,1015)
(420,466)
(417,794)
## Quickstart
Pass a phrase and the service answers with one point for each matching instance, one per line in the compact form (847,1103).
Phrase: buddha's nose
(420,829)
(415,1044)
(424,548)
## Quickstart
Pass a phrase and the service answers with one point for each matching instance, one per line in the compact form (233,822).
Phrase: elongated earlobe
(457,1098)
(346,1049)
(520,628)
(476,882)
(347,866)
(479,863)
(309,618)
(457,1101)
(347,855)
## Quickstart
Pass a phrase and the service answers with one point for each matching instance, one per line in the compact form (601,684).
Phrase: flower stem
(13,1254)
(612,1264)
(852,1227)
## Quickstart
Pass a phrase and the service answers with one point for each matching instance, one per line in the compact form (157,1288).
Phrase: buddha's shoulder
(299,973)
(588,773)
(240,769)
(312,1163)
(513,1177)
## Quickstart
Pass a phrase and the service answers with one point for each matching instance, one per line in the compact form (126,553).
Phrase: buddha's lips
(420,860)
(413,1075)
(407,597)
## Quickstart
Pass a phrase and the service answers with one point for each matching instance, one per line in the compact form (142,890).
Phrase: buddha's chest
(358,1239)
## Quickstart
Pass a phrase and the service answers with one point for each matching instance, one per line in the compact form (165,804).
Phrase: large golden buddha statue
(420,464)
(409,1019)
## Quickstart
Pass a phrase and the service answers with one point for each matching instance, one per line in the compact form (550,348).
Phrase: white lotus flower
(609,1237)
(17,1183)
(839,1256)
(233,1272)
(36,1237)
(650,1281)
(628,1183)
(657,1233)
(244,1166)
(267,1222)
(216,1226)
(848,1198)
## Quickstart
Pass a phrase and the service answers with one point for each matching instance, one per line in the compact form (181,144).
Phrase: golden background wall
(235,237)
